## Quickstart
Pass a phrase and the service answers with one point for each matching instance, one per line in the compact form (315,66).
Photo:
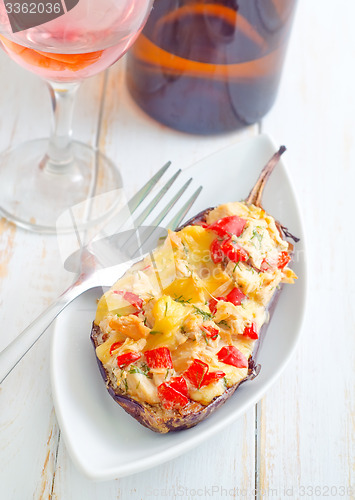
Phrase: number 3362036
(33,8)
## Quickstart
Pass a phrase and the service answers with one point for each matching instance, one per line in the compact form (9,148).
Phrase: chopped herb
(236,266)
(135,369)
(206,315)
(167,373)
(145,367)
(125,384)
(155,332)
(186,250)
(205,337)
(257,235)
(225,381)
(224,323)
(166,308)
(139,383)
(187,267)
(182,300)
(145,322)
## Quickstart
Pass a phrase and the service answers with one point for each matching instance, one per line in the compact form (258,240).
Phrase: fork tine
(143,216)
(137,199)
(166,210)
(121,216)
(171,203)
(147,211)
(179,217)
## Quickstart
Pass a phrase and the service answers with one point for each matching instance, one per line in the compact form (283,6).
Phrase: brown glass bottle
(210,66)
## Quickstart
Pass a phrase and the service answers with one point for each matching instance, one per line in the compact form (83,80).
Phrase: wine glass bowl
(79,44)
(42,178)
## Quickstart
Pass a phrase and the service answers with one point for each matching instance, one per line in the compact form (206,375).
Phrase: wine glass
(64,42)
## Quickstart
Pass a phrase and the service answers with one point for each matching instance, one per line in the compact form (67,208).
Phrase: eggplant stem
(256,193)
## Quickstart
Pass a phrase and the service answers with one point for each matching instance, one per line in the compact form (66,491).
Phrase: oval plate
(104,441)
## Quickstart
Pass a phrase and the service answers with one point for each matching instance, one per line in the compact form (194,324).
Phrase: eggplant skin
(155,417)
(161,420)
(196,219)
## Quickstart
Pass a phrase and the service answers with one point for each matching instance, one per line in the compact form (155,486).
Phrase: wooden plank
(216,468)
(27,425)
(31,276)
(307,419)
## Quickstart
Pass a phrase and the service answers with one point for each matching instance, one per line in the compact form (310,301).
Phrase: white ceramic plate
(104,441)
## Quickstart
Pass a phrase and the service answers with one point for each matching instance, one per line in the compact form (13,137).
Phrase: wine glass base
(66,199)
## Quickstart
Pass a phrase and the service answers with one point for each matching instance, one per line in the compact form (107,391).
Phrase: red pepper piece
(229,225)
(212,377)
(170,397)
(212,304)
(132,298)
(216,252)
(265,266)
(234,252)
(235,296)
(114,346)
(251,331)
(159,358)
(179,384)
(284,259)
(195,372)
(232,356)
(211,331)
(127,358)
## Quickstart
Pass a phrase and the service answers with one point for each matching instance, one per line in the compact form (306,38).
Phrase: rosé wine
(80,43)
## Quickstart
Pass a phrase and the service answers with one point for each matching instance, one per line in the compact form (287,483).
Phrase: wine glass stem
(59,156)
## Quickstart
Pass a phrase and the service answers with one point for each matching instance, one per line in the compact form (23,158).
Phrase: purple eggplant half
(167,417)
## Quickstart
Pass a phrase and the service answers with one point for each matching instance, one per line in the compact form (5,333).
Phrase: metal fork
(92,273)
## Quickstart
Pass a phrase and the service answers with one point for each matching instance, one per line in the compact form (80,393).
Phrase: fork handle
(15,351)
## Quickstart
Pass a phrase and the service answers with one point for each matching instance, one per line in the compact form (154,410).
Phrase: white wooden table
(298,441)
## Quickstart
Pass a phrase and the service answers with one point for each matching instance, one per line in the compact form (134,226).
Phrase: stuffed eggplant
(175,336)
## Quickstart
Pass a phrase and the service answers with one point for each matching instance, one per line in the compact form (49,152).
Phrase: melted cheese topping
(176,283)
